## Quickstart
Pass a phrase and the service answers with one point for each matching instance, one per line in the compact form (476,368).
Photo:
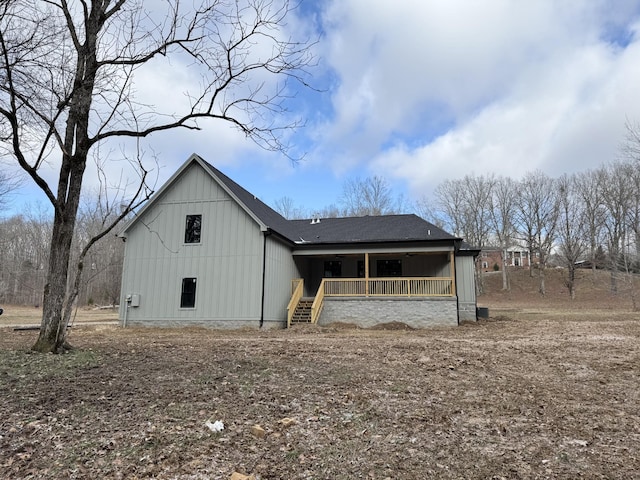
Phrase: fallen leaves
(502,399)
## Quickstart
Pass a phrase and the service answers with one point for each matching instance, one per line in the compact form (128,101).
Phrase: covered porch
(383,274)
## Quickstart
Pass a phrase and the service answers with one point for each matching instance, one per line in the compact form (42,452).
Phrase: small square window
(188,296)
(193,229)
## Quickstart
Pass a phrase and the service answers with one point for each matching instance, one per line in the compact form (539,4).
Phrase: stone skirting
(367,312)
(208,323)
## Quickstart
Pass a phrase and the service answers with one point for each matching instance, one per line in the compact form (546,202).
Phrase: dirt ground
(545,388)
(18,315)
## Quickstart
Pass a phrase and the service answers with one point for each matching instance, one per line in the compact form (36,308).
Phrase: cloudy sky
(419,91)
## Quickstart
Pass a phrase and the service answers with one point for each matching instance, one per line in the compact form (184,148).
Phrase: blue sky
(421,91)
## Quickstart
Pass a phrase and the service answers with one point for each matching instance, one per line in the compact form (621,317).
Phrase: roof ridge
(403,226)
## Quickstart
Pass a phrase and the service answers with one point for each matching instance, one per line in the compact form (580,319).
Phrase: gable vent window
(188,296)
(193,229)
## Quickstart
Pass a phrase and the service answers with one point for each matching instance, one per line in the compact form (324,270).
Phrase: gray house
(204,251)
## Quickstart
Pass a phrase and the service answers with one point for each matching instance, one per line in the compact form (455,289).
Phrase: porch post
(452,262)
(366,274)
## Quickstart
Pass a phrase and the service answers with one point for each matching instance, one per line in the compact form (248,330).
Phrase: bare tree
(286,207)
(478,191)
(24,256)
(67,85)
(369,196)
(466,207)
(630,152)
(9,182)
(633,214)
(502,217)
(537,217)
(329,211)
(589,188)
(427,209)
(100,281)
(617,190)
(571,229)
(450,206)
(630,148)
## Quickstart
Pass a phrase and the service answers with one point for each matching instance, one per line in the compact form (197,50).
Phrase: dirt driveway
(527,394)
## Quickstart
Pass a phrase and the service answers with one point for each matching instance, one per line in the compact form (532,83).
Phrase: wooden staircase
(302,313)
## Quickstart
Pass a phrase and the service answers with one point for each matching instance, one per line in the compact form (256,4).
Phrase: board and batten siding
(466,288)
(431,265)
(280,270)
(227,263)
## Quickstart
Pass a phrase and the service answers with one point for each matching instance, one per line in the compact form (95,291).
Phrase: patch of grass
(20,364)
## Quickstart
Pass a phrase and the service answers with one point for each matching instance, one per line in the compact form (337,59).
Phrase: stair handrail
(297,289)
(318,303)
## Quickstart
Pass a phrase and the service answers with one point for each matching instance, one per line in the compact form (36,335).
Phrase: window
(333,269)
(188,296)
(361,269)
(389,268)
(193,229)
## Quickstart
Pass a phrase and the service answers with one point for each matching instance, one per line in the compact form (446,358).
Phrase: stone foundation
(367,312)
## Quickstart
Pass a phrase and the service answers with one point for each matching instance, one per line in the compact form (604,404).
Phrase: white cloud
(430,90)
(420,91)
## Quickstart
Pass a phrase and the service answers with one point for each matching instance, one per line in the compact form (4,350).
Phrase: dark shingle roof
(384,228)
(368,229)
(264,212)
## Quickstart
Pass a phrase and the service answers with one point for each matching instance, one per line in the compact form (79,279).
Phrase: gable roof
(259,211)
(252,204)
(367,229)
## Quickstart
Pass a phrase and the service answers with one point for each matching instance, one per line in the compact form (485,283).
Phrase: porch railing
(318,302)
(388,287)
(297,289)
(374,287)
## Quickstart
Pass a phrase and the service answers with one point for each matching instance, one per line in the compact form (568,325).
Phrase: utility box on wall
(135,300)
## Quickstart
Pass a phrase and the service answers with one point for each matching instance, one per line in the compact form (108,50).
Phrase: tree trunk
(543,289)
(571,282)
(593,263)
(479,277)
(614,282)
(505,276)
(634,297)
(53,329)
(614,261)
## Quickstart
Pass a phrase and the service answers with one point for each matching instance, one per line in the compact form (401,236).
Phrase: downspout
(456,248)
(264,274)
(126,312)
(123,295)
